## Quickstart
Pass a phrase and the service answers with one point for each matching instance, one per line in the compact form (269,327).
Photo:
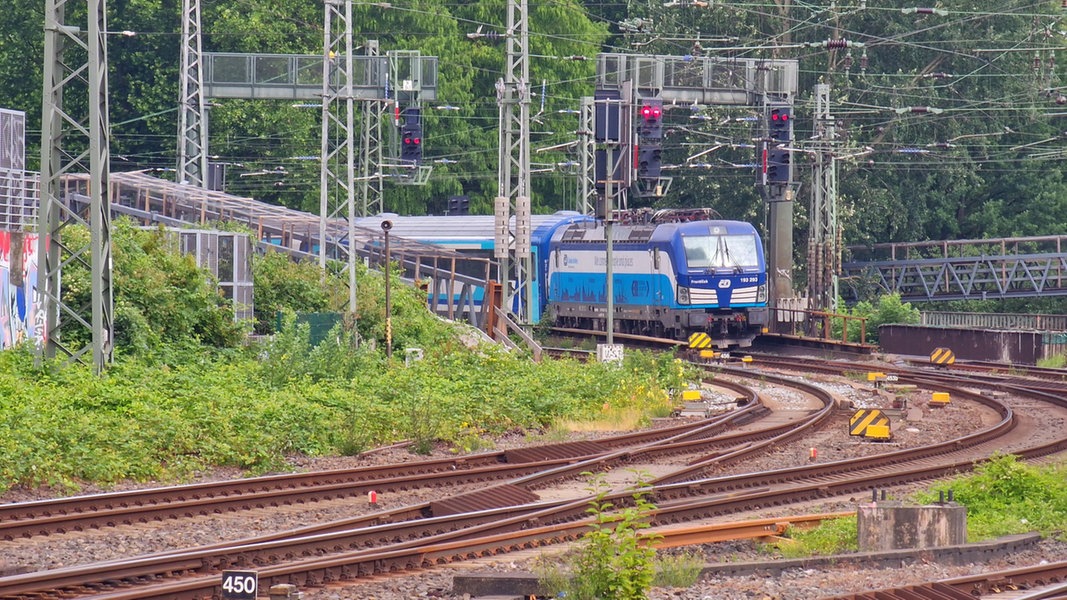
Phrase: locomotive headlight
(761,293)
(683,295)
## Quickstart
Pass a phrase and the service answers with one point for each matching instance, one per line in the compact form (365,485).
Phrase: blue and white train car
(669,279)
(473,236)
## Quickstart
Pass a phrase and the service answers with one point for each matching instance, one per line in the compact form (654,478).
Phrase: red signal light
(651,112)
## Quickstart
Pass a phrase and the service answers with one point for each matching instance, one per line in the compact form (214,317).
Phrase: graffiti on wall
(19,318)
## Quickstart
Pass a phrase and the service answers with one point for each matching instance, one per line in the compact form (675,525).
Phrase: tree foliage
(948,120)
(160,295)
(885,311)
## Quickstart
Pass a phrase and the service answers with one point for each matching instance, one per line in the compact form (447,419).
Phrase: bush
(1005,496)
(612,560)
(889,310)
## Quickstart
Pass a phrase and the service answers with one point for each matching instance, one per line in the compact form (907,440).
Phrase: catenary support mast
(823,249)
(338,169)
(192,111)
(75,144)
(513,195)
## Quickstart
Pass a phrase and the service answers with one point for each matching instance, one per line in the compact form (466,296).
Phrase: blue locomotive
(670,279)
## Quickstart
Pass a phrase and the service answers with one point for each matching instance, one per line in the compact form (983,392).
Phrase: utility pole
(72,144)
(513,185)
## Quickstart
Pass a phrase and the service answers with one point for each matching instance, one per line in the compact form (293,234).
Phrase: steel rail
(25,519)
(679,506)
(1043,581)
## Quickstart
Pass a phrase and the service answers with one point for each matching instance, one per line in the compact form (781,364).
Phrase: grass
(678,570)
(611,419)
(833,536)
(1003,497)
(1054,362)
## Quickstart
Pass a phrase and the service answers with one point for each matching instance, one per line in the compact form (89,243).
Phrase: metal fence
(19,194)
(1005,321)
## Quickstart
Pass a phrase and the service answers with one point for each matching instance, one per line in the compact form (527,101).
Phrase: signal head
(779,122)
(651,114)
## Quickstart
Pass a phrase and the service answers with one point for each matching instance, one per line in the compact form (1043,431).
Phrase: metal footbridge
(988,269)
(457,282)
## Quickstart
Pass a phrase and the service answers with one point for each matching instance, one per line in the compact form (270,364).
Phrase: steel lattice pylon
(824,257)
(513,190)
(192,117)
(337,173)
(370,155)
(70,144)
(587,158)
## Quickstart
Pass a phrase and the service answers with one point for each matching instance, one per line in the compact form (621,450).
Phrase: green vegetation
(1003,497)
(145,420)
(832,536)
(678,570)
(1054,362)
(612,560)
(887,309)
(184,395)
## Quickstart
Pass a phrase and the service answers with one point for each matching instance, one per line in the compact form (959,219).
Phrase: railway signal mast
(775,178)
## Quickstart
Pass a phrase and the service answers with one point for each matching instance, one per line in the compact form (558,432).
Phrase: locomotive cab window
(720,251)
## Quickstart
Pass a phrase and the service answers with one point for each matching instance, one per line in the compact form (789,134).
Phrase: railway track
(1040,582)
(141,506)
(464,513)
(355,550)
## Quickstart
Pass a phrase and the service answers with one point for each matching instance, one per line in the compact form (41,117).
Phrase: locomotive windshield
(720,251)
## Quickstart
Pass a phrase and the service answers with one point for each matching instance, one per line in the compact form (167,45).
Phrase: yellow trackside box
(690,395)
(939,398)
(877,432)
(875,376)
(709,354)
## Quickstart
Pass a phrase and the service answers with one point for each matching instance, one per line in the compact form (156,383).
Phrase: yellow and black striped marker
(699,340)
(864,418)
(942,356)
